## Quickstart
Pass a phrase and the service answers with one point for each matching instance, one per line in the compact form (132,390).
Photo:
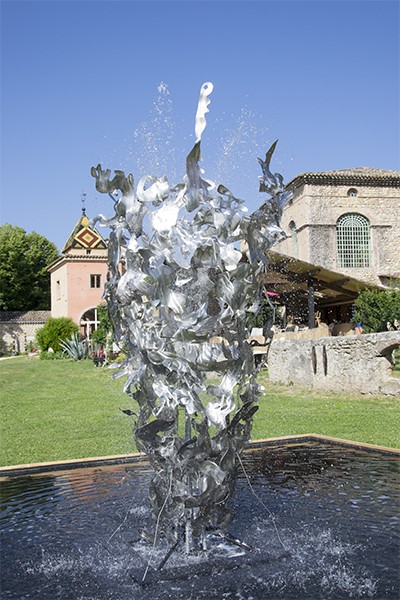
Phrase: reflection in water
(330,530)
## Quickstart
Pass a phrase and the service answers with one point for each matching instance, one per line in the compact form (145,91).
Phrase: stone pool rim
(140,458)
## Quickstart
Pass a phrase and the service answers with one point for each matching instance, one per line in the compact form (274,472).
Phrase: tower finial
(83,200)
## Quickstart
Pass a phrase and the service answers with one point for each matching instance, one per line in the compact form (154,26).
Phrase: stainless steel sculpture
(179,294)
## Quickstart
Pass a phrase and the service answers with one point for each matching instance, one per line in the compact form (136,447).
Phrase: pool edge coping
(137,457)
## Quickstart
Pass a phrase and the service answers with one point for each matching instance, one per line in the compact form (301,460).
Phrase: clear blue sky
(80,85)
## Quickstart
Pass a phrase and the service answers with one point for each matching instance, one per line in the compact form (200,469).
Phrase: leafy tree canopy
(24,279)
(378,310)
(54,332)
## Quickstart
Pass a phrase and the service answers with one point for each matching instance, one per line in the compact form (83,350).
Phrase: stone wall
(19,328)
(360,363)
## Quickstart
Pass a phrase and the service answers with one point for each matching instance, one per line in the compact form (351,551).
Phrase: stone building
(346,221)
(78,276)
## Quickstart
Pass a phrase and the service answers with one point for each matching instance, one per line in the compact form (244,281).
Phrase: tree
(55,331)
(24,279)
(377,310)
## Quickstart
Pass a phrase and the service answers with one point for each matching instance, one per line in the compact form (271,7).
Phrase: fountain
(180,310)
(312,519)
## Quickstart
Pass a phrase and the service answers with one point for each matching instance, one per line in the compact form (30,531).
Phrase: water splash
(232,159)
(152,146)
(319,565)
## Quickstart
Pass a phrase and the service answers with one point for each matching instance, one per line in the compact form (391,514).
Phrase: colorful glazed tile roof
(83,236)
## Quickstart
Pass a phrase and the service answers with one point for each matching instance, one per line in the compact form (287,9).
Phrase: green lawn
(288,410)
(58,410)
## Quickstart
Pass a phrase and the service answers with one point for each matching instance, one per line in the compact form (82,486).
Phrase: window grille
(353,241)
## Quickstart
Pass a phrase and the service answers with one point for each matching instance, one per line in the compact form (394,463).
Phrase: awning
(311,284)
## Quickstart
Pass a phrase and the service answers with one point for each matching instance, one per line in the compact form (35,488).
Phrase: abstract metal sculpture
(179,306)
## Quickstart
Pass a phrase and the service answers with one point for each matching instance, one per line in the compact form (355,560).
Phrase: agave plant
(74,347)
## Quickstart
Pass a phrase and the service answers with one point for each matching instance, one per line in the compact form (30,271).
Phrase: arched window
(353,241)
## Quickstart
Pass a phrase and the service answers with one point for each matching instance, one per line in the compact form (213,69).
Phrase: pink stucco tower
(78,276)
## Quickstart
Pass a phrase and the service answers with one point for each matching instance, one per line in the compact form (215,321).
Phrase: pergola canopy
(287,275)
(310,285)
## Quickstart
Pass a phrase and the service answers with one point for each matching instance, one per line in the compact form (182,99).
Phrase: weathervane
(83,200)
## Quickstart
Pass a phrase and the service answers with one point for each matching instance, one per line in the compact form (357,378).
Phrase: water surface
(322,521)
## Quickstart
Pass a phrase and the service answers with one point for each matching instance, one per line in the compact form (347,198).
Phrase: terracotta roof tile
(355,176)
(25,316)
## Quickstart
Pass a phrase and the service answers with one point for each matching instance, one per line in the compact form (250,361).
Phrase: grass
(288,410)
(59,410)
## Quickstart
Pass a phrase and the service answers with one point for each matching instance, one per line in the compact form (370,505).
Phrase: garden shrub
(378,310)
(53,331)
(74,347)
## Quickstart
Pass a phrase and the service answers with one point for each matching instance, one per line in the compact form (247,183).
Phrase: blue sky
(118,83)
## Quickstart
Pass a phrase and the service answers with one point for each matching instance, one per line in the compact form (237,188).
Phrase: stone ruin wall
(355,363)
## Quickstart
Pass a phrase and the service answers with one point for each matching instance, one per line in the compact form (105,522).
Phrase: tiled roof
(25,316)
(84,236)
(355,176)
